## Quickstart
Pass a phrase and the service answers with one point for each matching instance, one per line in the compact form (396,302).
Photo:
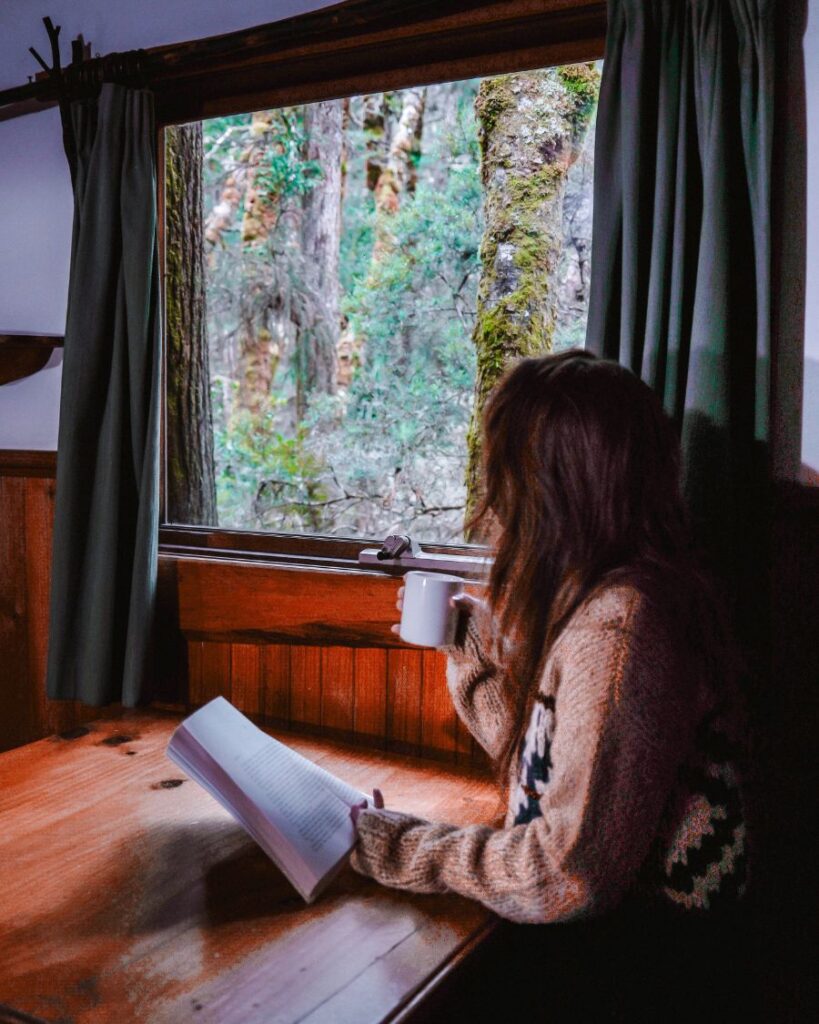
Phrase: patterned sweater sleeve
(478,685)
(622,720)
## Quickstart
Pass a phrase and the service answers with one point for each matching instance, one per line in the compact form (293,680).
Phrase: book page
(315,820)
(309,806)
(204,770)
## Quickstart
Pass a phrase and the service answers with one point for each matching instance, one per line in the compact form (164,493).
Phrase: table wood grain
(128,894)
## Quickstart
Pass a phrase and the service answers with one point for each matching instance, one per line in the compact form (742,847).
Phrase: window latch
(396,545)
(402,552)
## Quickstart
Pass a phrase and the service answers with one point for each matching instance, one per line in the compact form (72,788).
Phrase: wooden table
(128,894)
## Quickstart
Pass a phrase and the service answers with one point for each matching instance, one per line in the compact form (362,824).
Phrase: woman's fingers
(466,605)
(399,604)
(356,809)
(465,602)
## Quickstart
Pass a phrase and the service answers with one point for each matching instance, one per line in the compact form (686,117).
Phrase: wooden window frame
(345,50)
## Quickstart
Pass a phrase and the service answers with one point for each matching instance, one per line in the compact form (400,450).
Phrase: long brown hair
(582,486)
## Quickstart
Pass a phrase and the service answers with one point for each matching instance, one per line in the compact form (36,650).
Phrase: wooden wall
(307,649)
(395,699)
(26,517)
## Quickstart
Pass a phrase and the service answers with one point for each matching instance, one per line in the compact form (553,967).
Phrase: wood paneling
(26,517)
(438,718)
(404,682)
(337,688)
(370,710)
(124,900)
(245,678)
(276,682)
(393,699)
(209,672)
(305,685)
(16,699)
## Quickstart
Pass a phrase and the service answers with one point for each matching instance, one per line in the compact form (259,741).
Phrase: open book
(297,812)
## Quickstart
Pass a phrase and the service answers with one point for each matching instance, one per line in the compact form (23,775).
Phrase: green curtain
(107,509)
(681,240)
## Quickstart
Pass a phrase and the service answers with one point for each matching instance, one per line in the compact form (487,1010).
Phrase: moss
(513,323)
(494,98)
(583,83)
(529,192)
(526,150)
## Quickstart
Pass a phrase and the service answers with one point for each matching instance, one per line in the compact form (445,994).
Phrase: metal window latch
(401,551)
(396,545)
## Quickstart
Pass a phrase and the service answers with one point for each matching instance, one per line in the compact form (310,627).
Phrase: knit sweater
(617,783)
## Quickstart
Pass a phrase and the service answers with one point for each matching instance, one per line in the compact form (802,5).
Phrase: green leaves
(284,172)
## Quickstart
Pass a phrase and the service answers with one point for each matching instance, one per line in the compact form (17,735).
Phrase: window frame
(344,50)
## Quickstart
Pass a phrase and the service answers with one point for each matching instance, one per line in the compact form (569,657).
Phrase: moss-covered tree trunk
(191,476)
(531,127)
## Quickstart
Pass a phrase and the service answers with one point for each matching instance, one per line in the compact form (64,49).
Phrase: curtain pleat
(107,507)
(681,240)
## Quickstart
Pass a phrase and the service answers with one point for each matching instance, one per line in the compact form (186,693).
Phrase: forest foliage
(349,291)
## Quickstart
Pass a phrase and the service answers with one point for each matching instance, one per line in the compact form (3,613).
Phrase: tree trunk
(531,129)
(258,353)
(397,175)
(374,122)
(319,326)
(191,476)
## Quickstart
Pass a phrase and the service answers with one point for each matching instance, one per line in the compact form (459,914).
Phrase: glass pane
(359,261)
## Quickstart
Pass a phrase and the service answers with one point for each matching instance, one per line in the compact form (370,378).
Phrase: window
(354,246)
(360,258)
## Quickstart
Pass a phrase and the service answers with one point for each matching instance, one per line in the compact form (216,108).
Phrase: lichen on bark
(191,482)
(531,128)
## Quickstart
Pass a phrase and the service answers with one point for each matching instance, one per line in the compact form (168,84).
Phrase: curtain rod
(150,67)
(304,36)
(55,84)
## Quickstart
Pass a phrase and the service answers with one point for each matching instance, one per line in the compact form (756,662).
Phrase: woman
(596,675)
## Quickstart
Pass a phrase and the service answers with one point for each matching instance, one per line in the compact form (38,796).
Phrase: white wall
(35,194)
(810,409)
(35,190)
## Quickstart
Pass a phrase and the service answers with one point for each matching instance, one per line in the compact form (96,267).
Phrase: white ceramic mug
(427,618)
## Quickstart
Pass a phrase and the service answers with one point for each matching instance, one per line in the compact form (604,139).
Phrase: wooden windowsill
(129,895)
(296,549)
(246,601)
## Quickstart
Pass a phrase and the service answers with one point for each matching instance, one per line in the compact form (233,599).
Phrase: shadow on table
(214,873)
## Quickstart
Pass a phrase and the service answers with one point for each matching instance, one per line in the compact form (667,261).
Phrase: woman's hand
(399,604)
(356,809)
(465,603)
